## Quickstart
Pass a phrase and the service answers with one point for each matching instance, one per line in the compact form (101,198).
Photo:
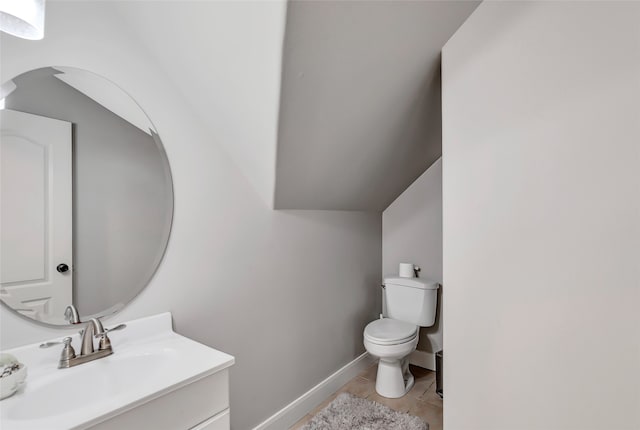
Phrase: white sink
(149,361)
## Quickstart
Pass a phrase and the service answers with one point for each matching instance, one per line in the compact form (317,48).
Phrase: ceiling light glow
(22,18)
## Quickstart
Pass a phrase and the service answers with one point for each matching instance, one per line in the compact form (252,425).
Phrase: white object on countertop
(9,384)
(406,270)
(7,359)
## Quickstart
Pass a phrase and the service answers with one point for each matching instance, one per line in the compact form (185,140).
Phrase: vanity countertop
(149,361)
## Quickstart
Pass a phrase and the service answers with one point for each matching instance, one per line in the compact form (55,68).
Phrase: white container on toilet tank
(406,270)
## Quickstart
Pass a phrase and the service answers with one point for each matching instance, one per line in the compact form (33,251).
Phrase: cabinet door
(182,409)
(222,421)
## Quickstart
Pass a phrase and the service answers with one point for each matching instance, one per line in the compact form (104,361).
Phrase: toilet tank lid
(422,283)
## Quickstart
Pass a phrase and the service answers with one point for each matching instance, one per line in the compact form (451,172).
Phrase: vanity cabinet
(200,405)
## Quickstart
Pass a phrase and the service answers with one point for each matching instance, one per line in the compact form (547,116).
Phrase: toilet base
(394,379)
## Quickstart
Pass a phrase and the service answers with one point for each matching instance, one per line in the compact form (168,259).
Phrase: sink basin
(149,361)
(64,393)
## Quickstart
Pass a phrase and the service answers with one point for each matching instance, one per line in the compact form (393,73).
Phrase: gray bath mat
(348,412)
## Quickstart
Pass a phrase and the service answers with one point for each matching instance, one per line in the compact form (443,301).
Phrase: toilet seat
(387,331)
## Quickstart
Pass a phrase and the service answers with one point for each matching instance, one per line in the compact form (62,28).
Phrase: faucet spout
(93,326)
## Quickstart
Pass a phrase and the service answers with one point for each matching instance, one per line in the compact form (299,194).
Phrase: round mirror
(86,198)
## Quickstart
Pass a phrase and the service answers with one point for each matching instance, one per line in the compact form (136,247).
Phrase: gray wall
(360,105)
(412,233)
(287,293)
(541,128)
(121,196)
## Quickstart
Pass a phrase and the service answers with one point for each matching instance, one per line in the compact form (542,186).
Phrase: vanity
(155,379)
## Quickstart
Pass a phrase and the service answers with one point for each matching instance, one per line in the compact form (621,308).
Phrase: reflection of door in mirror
(35,215)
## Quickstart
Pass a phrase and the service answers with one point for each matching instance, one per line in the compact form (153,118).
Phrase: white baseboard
(423,359)
(287,416)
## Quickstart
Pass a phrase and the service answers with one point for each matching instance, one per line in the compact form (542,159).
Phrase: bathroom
(314,146)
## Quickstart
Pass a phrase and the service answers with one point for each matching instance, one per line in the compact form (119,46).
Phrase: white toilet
(410,304)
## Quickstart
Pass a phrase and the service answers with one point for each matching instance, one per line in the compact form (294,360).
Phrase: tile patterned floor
(421,401)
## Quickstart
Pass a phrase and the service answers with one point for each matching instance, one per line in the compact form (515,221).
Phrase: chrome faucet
(93,328)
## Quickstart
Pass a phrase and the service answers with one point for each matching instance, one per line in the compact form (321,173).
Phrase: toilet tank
(411,300)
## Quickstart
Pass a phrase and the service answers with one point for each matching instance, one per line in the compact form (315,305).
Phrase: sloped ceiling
(344,115)
(225,58)
(360,111)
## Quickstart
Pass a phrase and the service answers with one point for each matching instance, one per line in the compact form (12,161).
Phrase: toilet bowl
(391,341)
(410,304)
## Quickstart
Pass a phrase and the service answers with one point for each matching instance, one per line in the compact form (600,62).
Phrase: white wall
(287,293)
(220,54)
(412,233)
(541,187)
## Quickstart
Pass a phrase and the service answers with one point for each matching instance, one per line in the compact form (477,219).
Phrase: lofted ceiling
(360,105)
(344,115)
(224,57)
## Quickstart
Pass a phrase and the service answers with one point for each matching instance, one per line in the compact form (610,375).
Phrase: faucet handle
(67,352)
(105,342)
(107,330)
(66,341)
